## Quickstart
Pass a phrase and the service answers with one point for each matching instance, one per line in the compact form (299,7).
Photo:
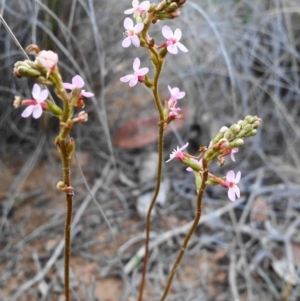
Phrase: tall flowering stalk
(225,143)
(45,70)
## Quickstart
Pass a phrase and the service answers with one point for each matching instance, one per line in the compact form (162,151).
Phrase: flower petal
(68,86)
(37,112)
(180,95)
(126,42)
(129,11)
(128,23)
(136,64)
(135,41)
(126,78)
(77,81)
(135,3)
(231,195)
(230,176)
(167,32)
(36,90)
(237,177)
(182,47)
(172,49)
(236,189)
(87,94)
(43,95)
(177,34)
(145,5)
(170,90)
(133,81)
(142,71)
(28,111)
(138,27)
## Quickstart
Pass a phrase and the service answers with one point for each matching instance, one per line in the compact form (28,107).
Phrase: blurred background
(243,60)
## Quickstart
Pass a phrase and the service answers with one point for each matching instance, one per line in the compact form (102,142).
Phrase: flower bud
(44,81)
(53,108)
(60,186)
(243,133)
(249,119)
(26,72)
(172,7)
(71,146)
(235,128)
(236,143)
(229,135)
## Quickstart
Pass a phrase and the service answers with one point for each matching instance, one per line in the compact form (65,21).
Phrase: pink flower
(178,153)
(131,32)
(231,181)
(138,8)
(233,151)
(47,58)
(175,95)
(77,83)
(173,114)
(36,105)
(199,163)
(137,75)
(173,40)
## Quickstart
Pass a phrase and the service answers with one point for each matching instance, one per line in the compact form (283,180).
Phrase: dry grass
(243,59)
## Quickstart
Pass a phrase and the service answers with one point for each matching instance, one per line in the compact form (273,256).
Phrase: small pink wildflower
(131,33)
(199,163)
(175,95)
(137,75)
(138,8)
(173,40)
(231,181)
(178,153)
(173,114)
(36,105)
(47,58)
(77,83)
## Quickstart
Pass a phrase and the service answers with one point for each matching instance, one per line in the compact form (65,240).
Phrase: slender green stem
(189,234)
(161,125)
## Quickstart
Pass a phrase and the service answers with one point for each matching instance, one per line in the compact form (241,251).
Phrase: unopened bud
(53,108)
(71,146)
(235,128)
(236,143)
(60,186)
(249,119)
(26,72)
(222,144)
(172,7)
(44,81)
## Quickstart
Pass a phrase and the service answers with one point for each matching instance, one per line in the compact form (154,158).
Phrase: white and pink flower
(77,83)
(172,42)
(138,74)
(175,95)
(131,33)
(37,104)
(138,8)
(178,153)
(231,182)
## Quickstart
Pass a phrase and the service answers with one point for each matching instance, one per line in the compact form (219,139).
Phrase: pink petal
(135,3)
(77,81)
(129,11)
(238,177)
(133,81)
(128,23)
(36,90)
(180,95)
(170,90)
(43,95)
(236,189)
(172,49)
(37,112)
(232,157)
(127,78)
(231,194)
(177,34)
(135,41)
(28,111)
(175,91)
(68,86)
(142,71)
(136,64)
(126,42)
(87,94)
(145,5)
(138,27)
(182,47)
(167,32)
(230,176)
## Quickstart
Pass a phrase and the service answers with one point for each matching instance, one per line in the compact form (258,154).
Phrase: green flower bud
(172,7)
(243,133)
(236,143)
(44,81)
(235,128)
(229,135)
(249,119)
(26,72)
(53,108)
(71,146)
